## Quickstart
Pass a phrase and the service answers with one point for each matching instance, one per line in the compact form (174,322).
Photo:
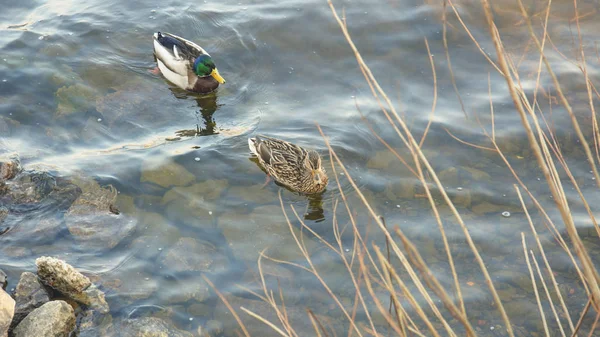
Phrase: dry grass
(391,279)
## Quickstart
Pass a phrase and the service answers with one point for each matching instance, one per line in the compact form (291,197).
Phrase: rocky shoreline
(59,301)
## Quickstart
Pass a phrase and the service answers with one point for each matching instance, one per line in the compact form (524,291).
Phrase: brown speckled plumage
(289,164)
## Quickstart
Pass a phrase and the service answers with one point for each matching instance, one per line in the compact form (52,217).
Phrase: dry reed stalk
(447,52)
(418,156)
(559,90)
(547,292)
(229,307)
(435,94)
(548,267)
(542,155)
(534,284)
(468,31)
(583,68)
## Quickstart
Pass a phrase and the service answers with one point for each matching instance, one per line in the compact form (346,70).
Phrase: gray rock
(191,255)
(3,279)
(7,310)
(266,227)
(71,283)
(30,295)
(165,174)
(90,220)
(53,319)
(93,324)
(214,327)
(150,327)
(98,229)
(3,214)
(10,166)
(61,276)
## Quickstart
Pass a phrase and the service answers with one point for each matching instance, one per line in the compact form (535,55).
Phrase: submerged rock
(30,295)
(75,98)
(165,174)
(91,220)
(3,279)
(10,166)
(53,319)
(265,227)
(191,255)
(7,310)
(93,324)
(151,327)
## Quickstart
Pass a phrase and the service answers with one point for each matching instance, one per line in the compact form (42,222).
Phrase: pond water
(77,99)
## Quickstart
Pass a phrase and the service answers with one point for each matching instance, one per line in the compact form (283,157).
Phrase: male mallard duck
(289,164)
(185,63)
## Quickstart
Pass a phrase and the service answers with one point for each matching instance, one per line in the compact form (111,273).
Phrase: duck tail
(252,145)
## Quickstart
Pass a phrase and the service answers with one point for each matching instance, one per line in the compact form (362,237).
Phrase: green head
(204,66)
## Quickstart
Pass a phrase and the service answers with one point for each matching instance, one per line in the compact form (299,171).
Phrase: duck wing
(279,153)
(176,53)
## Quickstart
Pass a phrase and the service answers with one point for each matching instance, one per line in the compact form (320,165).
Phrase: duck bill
(217,76)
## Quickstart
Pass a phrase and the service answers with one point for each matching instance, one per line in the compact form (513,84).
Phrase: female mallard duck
(289,164)
(185,63)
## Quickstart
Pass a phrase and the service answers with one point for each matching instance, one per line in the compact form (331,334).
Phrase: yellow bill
(217,76)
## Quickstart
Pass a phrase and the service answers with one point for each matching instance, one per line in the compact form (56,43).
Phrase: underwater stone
(98,228)
(10,166)
(61,276)
(151,327)
(166,174)
(209,190)
(188,255)
(255,193)
(214,327)
(74,98)
(53,319)
(94,324)
(449,177)
(248,235)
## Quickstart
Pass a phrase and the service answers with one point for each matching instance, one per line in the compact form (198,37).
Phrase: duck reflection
(207,126)
(314,210)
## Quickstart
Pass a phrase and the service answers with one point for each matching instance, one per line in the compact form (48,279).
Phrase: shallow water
(77,98)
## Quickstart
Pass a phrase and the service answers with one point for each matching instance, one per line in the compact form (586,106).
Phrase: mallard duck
(185,64)
(289,164)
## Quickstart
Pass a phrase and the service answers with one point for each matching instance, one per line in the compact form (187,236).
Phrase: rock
(3,279)
(214,328)
(61,276)
(191,255)
(96,228)
(194,202)
(449,177)
(265,227)
(181,291)
(93,298)
(7,310)
(255,193)
(209,190)
(75,98)
(53,319)
(90,219)
(3,213)
(165,174)
(29,295)
(93,324)
(10,166)
(150,327)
